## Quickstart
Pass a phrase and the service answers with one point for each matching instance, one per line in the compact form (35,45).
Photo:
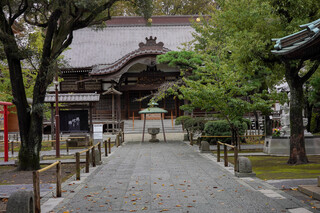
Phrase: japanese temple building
(119,63)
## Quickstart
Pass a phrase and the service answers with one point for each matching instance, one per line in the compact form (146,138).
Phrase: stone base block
(243,174)
(281,145)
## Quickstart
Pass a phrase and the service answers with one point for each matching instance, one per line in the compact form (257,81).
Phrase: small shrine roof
(304,44)
(72,98)
(153,110)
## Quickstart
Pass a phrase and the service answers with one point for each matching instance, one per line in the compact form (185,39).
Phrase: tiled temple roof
(72,98)
(92,47)
(303,44)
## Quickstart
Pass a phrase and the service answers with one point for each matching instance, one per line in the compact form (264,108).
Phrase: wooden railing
(93,159)
(225,149)
(36,183)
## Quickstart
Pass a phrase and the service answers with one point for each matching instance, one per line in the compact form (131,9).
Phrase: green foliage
(315,121)
(222,128)
(195,125)
(164,7)
(181,120)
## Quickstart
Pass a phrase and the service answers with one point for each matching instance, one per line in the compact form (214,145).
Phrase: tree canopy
(55,21)
(235,44)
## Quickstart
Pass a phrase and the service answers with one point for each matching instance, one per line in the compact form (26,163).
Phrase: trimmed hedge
(222,128)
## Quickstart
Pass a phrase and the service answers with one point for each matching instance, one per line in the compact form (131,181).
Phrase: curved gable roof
(150,48)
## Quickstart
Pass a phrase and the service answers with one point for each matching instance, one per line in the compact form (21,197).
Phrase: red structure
(5,126)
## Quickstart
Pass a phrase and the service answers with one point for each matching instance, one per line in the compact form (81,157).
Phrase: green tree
(166,7)
(209,84)
(58,19)
(239,34)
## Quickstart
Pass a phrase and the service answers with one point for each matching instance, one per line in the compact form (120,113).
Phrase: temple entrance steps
(137,126)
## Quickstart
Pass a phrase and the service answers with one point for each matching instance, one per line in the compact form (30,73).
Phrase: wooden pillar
(52,121)
(118,109)
(90,119)
(176,107)
(128,104)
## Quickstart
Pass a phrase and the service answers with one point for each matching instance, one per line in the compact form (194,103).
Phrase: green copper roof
(152,110)
(295,45)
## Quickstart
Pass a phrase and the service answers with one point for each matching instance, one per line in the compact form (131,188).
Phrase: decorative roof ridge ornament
(151,42)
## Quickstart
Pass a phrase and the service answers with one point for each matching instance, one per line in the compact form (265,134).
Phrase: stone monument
(244,168)
(204,146)
(281,145)
(285,121)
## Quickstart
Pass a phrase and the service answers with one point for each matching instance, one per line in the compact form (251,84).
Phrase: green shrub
(181,120)
(222,128)
(195,125)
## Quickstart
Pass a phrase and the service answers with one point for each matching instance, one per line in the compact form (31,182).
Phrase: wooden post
(117,140)
(172,119)
(225,155)
(99,148)
(218,152)
(236,159)
(36,191)
(77,166)
(90,119)
(105,148)
(67,144)
(122,135)
(52,125)
(132,120)
(93,156)
(191,139)
(12,147)
(109,142)
(59,178)
(87,160)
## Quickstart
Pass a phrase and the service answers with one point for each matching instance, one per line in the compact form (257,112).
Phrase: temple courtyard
(173,177)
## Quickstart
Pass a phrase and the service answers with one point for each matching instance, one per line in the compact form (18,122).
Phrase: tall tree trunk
(30,141)
(297,142)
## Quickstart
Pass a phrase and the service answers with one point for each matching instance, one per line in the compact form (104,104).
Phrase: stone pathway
(173,177)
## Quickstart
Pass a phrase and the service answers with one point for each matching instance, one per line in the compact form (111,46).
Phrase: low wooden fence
(225,150)
(93,158)
(36,183)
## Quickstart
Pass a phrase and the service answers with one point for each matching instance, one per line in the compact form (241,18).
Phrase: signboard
(97,131)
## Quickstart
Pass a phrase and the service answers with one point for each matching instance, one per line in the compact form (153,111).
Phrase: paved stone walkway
(171,177)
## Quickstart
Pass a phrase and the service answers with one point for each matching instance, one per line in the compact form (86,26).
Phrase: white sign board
(97,128)
(97,131)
